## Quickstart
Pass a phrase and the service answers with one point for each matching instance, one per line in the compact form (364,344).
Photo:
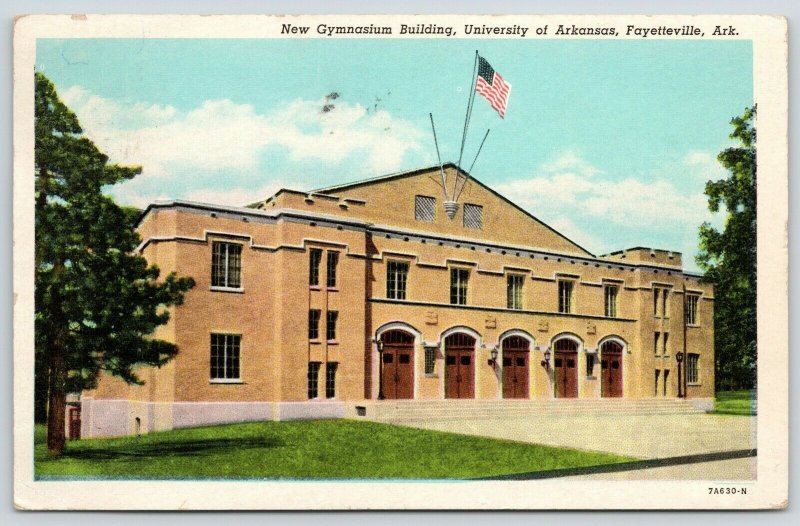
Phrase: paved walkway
(640,436)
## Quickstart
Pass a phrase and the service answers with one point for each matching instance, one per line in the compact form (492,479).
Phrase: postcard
(400,262)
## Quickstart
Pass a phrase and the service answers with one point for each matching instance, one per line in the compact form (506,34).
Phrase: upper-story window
(396,279)
(473,216)
(425,208)
(691,309)
(656,295)
(333,262)
(313,324)
(314,259)
(226,265)
(330,327)
(665,303)
(565,289)
(459,282)
(610,293)
(514,283)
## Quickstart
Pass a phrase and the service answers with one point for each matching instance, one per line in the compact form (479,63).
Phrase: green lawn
(328,449)
(735,403)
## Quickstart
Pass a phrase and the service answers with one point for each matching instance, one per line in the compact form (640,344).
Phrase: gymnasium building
(331,303)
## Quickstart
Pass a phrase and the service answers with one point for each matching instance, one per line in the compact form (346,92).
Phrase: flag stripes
(492,86)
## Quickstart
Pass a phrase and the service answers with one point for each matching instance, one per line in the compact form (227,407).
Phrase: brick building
(310,304)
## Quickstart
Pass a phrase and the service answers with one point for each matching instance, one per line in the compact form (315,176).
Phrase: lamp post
(679,358)
(546,361)
(379,345)
(493,359)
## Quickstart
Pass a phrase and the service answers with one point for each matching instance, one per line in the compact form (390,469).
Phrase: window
(396,278)
(590,364)
(665,306)
(313,379)
(655,301)
(473,216)
(692,372)
(430,359)
(514,291)
(330,328)
(691,309)
(425,208)
(226,265)
(313,324)
(611,300)
(333,261)
(565,296)
(655,390)
(225,356)
(655,343)
(459,279)
(314,259)
(666,342)
(330,379)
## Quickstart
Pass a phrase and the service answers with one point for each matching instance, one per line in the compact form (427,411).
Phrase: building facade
(307,304)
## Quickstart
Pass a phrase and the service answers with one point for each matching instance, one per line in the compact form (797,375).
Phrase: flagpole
(470,100)
(439,157)
(466,175)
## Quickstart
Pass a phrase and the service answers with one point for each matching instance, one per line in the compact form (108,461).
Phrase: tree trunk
(57,406)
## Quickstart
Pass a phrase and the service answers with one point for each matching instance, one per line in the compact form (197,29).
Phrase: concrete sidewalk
(639,436)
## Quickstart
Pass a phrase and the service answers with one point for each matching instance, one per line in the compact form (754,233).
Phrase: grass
(320,449)
(740,403)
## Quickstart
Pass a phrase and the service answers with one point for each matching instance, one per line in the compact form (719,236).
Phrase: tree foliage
(96,299)
(729,258)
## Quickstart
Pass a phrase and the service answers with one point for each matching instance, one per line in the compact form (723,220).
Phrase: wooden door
(459,366)
(566,368)
(515,367)
(611,370)
(398,365)
(74,423)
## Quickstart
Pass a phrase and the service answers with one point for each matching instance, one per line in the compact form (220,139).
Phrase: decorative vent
(425,208)
(473,216)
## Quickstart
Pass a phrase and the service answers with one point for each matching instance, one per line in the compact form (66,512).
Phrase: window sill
(332,289)
(314,342)
(314,287)
(693,326)
(591,378)
(691,384)
(332,342)
(227,289)
(431,375)
(225,381)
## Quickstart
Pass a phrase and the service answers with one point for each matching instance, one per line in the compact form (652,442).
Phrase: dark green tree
(729,258)
(96,299)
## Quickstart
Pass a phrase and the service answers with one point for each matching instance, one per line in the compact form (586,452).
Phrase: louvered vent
(473,216)
(425,208)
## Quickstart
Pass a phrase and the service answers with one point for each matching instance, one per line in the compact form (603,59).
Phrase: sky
(610,142)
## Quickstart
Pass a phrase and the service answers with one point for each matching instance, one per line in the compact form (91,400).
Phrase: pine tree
(729,258)
(96,299)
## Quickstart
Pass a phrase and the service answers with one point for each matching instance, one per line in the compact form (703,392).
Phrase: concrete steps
(409,410)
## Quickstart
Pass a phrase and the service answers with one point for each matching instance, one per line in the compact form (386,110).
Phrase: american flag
(492,86)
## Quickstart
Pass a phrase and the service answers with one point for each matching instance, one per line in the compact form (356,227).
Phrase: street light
(493,359)
(379,345)
(546,361)
(679,358)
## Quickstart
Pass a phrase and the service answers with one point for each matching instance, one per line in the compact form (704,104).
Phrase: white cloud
(224,135)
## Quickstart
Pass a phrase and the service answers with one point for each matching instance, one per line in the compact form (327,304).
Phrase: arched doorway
(397,373)
(459,371)
(611,369)
(516,351)
(565,365)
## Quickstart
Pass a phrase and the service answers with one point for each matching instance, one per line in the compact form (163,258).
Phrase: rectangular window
(691,309)
(692,372)
(225,356)
(655,301)
(425,208)
(666,344)
(333,261)
(655,390)
(430,359)
(226,265)
(313,379)
(655,343)
(314,259)
(396,278)
(665,300)
(473,216)
(313,324)
(330,379)
(459,280)
(590,365)
(611,300)
(565,296)
(330,328)
(514,291)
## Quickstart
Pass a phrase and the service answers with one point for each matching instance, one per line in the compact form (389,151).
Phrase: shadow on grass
(197,448)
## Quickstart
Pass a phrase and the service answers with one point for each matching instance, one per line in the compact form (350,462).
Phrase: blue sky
(608,141)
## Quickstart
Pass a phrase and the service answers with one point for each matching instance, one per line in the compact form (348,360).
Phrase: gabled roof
(418,171)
